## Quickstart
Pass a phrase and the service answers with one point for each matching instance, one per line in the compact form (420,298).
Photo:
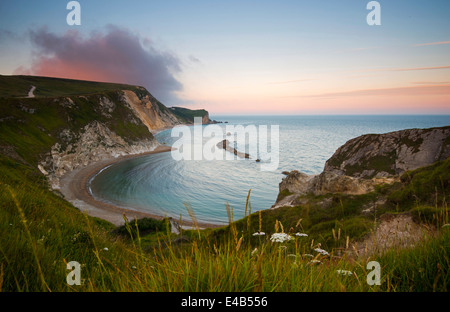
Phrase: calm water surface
(160,185)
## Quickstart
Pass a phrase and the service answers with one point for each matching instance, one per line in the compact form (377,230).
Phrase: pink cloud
(407,69)
(401,91)
(115,56)
(432,43)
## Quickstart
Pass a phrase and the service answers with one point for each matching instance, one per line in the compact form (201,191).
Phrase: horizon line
(331,114)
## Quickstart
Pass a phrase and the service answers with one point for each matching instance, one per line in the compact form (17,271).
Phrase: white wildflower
(301,234)
(105,249)
(75,236)
(321,251)
(344,272)
(259,234)
(314,262)
(280,237)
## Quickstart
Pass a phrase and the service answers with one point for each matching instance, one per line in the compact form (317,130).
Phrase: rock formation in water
(226,145)
(369,160)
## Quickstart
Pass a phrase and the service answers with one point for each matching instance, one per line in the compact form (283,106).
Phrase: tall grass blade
(193,217)
(30,239)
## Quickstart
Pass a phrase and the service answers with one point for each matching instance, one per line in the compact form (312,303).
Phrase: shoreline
(74,188)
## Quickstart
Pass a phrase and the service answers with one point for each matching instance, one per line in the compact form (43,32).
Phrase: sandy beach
(74,187)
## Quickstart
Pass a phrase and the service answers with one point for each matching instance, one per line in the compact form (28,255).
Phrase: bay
(160,185)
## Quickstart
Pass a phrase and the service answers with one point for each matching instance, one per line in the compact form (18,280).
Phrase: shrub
(144,226)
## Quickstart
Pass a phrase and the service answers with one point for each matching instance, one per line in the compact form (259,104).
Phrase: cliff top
(64,110)
(390,153)
(19,86)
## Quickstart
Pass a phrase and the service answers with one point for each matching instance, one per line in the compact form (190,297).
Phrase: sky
(232,57)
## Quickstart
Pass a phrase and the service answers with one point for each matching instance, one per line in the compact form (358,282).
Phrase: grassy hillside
(18,86)
(330,219)
(188,115)
(48,87)
(29,127)
(40,233)
(33,126)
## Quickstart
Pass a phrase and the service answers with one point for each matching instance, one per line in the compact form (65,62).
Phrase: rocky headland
(70,125)
(100,139)
(367,161)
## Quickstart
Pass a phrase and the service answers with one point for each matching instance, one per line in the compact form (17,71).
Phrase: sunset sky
(243,57)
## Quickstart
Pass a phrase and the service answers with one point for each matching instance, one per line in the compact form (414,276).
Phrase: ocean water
(161,185)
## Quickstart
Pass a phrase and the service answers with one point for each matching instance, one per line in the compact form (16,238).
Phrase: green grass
(40,233)
(378,163)
(188,115)
(424,186)
(319,218)
(283,194)
(142,227)
(33,133)
(18,87)
(423,268)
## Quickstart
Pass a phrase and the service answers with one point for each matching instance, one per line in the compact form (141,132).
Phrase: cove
(159,185)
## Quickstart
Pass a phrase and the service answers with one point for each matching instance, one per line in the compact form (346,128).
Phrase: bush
(431,215)
(419,184)
(144,226)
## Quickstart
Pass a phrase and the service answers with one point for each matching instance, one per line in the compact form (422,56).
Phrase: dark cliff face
(390,154)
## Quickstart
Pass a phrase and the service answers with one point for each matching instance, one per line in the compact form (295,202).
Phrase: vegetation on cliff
(315,245)
(188,115)
(33,126)
(72,123)
(392,153)
(40,233)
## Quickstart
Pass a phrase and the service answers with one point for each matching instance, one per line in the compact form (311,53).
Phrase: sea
(167,184)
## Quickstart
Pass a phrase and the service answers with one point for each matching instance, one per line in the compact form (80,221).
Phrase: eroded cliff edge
(103,138)
(71,124)
(367,161)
